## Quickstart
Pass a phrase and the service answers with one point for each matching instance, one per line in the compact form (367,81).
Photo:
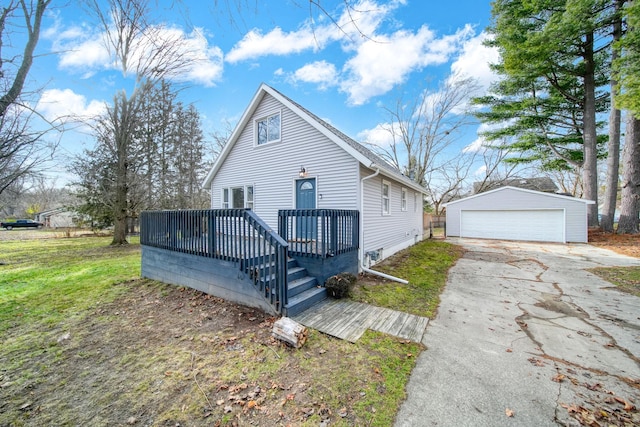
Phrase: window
(385,198)
(225,198)
(248,203)
(403,199)
(237,197)
(268,129)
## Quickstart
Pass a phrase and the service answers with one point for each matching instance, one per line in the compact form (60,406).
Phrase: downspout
(362,266)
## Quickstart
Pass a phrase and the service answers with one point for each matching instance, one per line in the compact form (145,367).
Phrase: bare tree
(422,130)
(22,149)
(144,50)
(497,167)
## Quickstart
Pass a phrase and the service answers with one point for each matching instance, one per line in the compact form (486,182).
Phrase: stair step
(298,286)
(292,274)
(296,273)
(304,300)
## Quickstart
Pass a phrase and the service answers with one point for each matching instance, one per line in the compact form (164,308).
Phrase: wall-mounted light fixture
(303,172)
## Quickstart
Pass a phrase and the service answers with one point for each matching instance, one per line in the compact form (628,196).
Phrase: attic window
(268,129)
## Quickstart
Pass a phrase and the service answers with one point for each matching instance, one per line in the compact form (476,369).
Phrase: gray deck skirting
(348,320)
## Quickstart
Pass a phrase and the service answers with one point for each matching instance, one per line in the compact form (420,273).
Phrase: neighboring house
(510,213)
(56,218)
(543,184)
(281,156)
(286,183)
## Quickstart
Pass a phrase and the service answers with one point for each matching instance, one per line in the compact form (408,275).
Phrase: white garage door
(535,225)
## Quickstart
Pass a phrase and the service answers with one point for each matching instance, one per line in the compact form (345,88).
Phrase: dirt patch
(626,244)
(163,355)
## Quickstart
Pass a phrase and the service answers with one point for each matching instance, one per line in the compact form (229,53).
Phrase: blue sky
(342,77)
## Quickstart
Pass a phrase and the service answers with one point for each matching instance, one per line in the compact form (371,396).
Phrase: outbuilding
(510,213)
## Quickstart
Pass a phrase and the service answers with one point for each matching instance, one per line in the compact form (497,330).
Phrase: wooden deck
(348,320)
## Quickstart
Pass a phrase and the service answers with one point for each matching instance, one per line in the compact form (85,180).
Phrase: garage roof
(540,193)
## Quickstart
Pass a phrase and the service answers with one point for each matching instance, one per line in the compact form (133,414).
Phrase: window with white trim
(386,191)
(237,197)
(403,199)
(268,129)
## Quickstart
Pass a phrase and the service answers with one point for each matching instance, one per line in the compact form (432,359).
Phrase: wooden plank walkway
(348,320)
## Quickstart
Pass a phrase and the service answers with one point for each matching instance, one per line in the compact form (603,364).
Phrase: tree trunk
(590,136)
(613,155)
(630,208)
(121,121)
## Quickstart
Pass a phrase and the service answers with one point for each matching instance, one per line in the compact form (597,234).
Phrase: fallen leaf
(252,404)
(509,413)
(509,350)
(558,378)
(535,361)
(627,406)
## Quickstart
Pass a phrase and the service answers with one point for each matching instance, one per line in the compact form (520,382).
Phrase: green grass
(52,279)
(134,350)
(425,266)
(627,279)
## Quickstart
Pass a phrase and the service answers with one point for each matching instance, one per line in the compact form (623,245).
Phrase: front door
(306,199)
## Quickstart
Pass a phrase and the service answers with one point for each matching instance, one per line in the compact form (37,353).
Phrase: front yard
(85,341)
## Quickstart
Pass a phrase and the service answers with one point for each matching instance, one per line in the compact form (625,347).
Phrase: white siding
(509,198)
(273,168)
(391,232)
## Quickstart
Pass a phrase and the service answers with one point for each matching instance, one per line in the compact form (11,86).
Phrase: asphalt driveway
(525,336)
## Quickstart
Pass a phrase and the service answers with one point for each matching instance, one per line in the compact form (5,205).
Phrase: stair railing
(235,235)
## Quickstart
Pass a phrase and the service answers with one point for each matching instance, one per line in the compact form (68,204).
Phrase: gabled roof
(361,153)
(544,184)
(524,190)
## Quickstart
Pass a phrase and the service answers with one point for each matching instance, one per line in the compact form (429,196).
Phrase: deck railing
(319,233)
(236,235)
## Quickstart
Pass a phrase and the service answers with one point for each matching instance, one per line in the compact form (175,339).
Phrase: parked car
(21,223)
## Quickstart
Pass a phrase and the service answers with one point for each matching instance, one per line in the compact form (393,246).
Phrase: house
(510,213)
(281,156)
(56,218)
(544,184)
(334,204)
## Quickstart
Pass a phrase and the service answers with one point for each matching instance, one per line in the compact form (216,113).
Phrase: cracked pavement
(526,336)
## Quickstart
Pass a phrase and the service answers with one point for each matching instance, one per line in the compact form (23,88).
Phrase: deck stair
(303,290)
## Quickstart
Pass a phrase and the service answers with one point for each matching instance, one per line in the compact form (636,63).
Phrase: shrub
(339,286)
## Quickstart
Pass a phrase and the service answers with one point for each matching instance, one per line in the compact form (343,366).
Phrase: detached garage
(510,213)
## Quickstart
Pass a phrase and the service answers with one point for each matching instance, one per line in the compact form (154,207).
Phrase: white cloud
(276,42)
(360,21)
(474,61)
(322,73)
(84,51)
(481,171)
(382,63)
(476,146)
(480,143)
(381,135)
(206,61)
(88,54)
(64,105)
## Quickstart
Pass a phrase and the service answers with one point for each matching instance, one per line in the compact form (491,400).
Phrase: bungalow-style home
(510,213)
(332,202)
(56,218)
